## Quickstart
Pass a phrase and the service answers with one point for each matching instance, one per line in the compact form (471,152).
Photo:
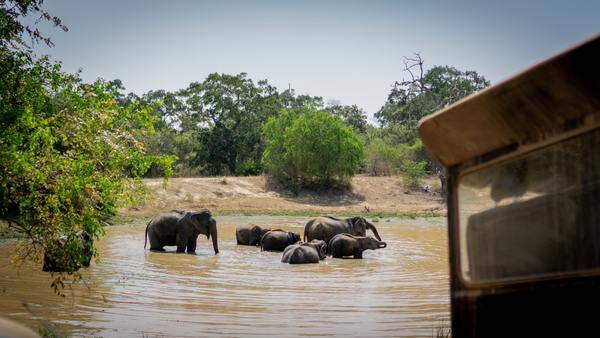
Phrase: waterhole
(401,290)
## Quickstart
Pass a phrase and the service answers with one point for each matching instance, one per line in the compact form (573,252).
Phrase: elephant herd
(322,236)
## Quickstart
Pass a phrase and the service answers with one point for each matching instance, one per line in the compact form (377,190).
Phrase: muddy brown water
(401,290)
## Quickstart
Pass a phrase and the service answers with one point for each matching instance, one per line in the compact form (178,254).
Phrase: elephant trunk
(382,245)
(372,227)
(213,234)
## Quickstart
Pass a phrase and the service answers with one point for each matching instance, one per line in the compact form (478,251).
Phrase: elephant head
(256,233)
(361,225)
(293,237)
(320,246)
(372,243)
(204,223)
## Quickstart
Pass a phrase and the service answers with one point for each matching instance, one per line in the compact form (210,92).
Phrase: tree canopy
(70,155)
(426,92)
(311,148)
(410,100)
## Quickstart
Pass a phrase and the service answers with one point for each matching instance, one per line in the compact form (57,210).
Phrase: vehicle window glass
(535,215)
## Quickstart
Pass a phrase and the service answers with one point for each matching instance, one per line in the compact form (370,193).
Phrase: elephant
(54,261)
(249,234)
(181,228)
(342,245)
(278,240)
(325,227)
(300,253)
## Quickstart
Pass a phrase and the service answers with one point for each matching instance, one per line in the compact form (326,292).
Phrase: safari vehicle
(523,167)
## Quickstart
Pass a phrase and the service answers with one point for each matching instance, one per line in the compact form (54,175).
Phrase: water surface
(401,290)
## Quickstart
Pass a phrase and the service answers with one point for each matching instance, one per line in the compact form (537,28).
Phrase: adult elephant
(181,228)
(301,253)
(278,240)
(325,227)
(249,234)
(344,245)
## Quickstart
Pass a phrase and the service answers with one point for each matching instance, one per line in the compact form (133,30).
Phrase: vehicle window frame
(479,164)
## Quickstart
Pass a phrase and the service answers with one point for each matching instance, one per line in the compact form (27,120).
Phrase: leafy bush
(69,157)
(311,148)
(382,159)
(413,172)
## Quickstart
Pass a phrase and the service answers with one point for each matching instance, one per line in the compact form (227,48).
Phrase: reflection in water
(401,290)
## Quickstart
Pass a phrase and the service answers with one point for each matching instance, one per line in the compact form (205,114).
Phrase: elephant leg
(358,254)
(155,244)
(181,243)
(191,245)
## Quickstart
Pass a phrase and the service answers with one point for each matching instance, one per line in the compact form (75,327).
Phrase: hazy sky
(349,51)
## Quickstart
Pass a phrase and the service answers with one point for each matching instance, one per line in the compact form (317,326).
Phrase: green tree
(424,93)
(354,116)
(290,100)
(382,158)
(175,131)
(12,29)
(413,172)
(227,114)
(311,148)
(69,157)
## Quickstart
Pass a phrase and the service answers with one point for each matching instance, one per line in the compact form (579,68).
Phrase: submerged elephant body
(278,240)
(181,228)
(325,227)
(301,253)
(344,245)
(250,234)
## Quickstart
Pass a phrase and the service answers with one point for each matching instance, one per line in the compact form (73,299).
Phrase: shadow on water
(401,290)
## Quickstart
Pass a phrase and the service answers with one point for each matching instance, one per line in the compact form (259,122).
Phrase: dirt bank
(259,195)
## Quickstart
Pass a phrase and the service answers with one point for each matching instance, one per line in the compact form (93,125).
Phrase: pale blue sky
(350,51)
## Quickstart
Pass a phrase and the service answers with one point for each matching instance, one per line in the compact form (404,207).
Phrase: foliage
(424,93)
(382,158)
(69,157)
(427,92)
(214,126)
(413,172)
(311,148)
(354,116)
(12,29)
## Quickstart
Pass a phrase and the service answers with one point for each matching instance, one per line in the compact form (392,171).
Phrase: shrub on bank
(311,149)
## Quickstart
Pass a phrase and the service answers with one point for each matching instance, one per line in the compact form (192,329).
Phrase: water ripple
(401,290)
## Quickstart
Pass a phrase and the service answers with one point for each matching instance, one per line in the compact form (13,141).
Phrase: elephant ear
(200,220)
(202,215)
(358,223)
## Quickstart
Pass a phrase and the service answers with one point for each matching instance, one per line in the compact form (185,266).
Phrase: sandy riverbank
(259,195)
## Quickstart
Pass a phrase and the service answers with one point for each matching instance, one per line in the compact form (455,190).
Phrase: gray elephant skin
(325,227)
(250,234)
(278,240)
(181,228)
(301,253)
(344,245)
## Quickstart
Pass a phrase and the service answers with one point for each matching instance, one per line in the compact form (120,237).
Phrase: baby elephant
(278,240)
(249,234)
(300,253)
(342,245)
